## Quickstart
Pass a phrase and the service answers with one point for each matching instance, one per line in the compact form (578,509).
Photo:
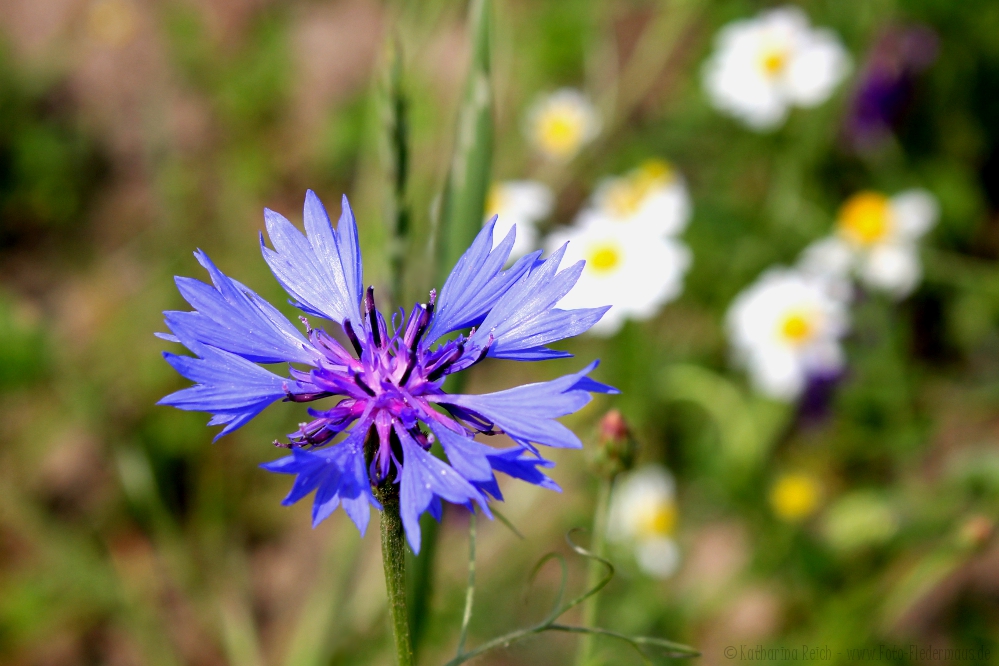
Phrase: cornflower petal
(477,462)
(466,455)
(527,413)
(476,282)
(228,386)
(322,271)
(522,465)
(233,318)
(525,318)
(424,479)
(338,476)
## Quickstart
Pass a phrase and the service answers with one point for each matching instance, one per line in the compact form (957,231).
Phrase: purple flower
(387,406)
(885,87)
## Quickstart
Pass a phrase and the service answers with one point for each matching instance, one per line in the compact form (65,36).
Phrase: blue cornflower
(391,407)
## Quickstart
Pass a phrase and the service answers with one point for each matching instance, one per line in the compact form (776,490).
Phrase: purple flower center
(391,379)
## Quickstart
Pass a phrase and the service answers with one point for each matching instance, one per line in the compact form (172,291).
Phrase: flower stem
(597,570)
(470,589)
(394,562)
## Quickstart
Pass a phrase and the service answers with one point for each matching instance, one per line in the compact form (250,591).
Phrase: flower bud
(616,448)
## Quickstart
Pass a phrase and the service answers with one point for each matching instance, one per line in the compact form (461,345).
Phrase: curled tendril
(559,607)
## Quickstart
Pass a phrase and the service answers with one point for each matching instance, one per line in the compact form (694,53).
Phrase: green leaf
(394,107)
(748,427)
(464,197)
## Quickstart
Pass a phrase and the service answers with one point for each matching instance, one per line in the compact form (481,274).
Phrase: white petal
(667,210)
(816,69)
(778,375)
(824,357)
(658,557)
(914,212)
(529,198)
(892,268)
(827,257)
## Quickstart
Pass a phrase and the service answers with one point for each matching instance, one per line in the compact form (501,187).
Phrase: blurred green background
(133,132)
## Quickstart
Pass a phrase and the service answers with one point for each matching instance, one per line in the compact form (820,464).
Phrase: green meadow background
(133,132)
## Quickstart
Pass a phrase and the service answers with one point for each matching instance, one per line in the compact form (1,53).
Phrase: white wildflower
(876,238)
(520,202)
(627,268)
(643,516)
(560,124)
(653,197)
(763,66)
(786,328)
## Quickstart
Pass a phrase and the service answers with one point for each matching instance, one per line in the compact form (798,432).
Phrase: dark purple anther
(349,330)
(364,387)
(409,367)
(448,361)
(305,397)
(369,305)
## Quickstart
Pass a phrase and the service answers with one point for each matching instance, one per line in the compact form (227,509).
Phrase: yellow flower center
(655,519)
(795,496)
(560,132)
(797,327)
(864,218)
(655,172)
(625,196)
(773,61)
(603,258)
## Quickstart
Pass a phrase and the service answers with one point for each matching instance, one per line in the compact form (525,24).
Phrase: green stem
(596,571)
(394,562)
(470,589)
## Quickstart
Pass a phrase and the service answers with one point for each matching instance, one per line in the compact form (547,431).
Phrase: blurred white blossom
(876,238)
(652,197)
(643,516)
(520,202)
(626,267)
(785,328)
(625,235)
(763,66)
(561,123)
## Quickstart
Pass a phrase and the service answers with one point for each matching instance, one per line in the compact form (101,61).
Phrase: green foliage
(49,167)
(24,351)
(464,196)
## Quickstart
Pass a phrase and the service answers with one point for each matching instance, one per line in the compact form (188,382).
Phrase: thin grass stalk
(596,569)
(466,617)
